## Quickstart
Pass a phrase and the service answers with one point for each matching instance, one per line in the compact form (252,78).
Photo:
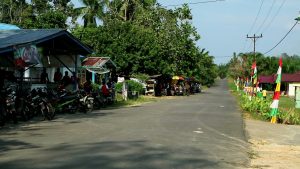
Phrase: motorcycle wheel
(25,113)
(2,119)
(89,106)
(2,116)
(14,117)
(48,112)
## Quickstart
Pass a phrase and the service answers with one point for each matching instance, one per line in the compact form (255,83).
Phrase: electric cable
(262,2)
(269,24)
(267,16)
(194,3)
(253,24)
(282,38)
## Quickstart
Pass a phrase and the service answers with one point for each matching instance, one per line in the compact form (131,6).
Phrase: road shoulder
(273,145)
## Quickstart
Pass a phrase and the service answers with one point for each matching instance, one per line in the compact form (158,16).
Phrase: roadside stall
(177,85)
(100,74)
(96,69)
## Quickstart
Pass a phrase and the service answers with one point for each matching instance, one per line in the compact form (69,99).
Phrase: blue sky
(224,25)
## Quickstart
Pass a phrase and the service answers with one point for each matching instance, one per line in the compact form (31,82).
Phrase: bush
(132,86)
(289,117)
(258,107)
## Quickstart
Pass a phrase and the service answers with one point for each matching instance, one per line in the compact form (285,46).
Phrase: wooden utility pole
(254,37)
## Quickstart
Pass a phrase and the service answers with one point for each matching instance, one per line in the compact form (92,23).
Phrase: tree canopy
(139,35)
(240,65)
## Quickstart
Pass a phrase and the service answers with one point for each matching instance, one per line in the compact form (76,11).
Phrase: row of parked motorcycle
(18,105)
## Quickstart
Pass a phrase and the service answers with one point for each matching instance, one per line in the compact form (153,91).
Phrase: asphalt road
(189,132)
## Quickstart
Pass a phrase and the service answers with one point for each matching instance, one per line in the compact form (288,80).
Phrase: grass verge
(259,108)
(131,102)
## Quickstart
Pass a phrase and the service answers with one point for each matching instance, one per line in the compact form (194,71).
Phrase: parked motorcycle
(65,101)
(2,107)
(40,105)
(9,106)
(22,105)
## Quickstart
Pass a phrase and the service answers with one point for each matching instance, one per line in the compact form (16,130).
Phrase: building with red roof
(289,82)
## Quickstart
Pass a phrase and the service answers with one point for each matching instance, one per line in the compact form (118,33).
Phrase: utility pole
(254,37)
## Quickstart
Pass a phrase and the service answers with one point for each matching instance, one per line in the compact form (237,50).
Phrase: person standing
(57,76)
(105,89)
(87,86)
(66,80)
(264,94)
(44,76)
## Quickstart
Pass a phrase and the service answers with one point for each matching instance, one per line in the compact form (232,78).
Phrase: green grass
(131,102)
(287,103)
(231,85)
(287,111)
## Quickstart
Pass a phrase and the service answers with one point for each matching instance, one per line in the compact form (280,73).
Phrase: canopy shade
(100,65)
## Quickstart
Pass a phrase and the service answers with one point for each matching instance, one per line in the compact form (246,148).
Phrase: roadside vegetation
(139,36)
(142,99)
(259,108)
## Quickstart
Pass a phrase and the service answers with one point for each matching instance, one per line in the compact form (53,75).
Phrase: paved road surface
(199,131)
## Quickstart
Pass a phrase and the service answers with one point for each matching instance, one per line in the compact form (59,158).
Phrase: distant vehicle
(150,87)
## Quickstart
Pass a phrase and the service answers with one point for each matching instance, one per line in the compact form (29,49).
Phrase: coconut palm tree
(90,12)
(126,9)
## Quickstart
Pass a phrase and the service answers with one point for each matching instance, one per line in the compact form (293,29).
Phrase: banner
(26,55)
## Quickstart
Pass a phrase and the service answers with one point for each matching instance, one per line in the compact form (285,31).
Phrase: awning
(100,65)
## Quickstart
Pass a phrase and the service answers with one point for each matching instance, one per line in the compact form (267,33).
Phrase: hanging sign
(26,55)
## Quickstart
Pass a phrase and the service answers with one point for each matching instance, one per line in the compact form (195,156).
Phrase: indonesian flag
(276,97)
(254,75)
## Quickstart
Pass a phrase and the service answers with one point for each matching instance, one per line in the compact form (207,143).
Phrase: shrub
(258,107)
(132,86)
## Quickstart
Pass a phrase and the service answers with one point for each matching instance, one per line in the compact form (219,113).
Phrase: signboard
(297,97)
(26,55)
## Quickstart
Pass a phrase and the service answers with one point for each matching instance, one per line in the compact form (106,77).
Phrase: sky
(224,25)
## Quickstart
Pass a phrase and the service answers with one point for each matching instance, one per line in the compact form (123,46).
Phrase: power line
(253,24)
(195,3)
(254,41)
(282,38)
(262,2)
(269,24)
(267,16)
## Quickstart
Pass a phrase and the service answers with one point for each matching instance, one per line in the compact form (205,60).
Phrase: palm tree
(90,12)
(126,9)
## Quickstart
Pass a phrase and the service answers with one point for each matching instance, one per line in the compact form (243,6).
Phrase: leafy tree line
(240,65)
(139,35)
(37,13)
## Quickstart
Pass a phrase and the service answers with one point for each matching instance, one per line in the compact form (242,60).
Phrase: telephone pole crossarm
(254,38)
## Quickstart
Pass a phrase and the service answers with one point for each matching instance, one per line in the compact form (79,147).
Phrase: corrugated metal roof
(10,38)
(284,78)
(23,36)
(4,26)
(97,64)
(96,61)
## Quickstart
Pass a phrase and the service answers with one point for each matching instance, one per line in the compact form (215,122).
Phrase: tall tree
(92,10)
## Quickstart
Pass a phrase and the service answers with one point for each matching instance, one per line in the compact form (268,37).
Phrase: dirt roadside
(273,146)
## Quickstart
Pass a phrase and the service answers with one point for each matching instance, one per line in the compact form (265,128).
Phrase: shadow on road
(7,145)
(111,155)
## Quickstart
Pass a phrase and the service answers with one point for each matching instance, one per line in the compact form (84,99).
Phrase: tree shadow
(114,155)
(7,145)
